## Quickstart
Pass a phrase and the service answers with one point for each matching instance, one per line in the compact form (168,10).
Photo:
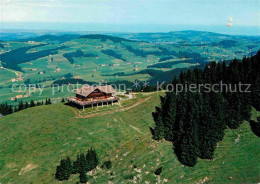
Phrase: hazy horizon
(128,28)
(239,17)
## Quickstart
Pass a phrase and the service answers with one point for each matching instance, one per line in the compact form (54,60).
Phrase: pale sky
(156,12)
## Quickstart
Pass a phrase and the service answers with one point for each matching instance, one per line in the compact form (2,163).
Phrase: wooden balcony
(104,101)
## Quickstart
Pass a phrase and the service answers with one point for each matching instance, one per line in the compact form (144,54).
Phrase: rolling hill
(34,140)
(99,58)
(188,36)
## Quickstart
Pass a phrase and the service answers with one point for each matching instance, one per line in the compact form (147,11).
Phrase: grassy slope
(41,136)
(89,67)
(6,76)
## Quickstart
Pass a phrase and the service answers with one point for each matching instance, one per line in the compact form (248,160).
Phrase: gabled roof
(85,90)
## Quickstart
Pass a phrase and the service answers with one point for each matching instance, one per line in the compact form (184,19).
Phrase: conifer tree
(96,161)
(168,116)
(255,126)
(159,127)
(196,122)
(83,162)
(6,109)
(10,109)
(76,165)
(32,104)
(91,159)
(68,165)
(20,106)
(82,175)
(107,164)
(63,171)
(59,173)
(26,105)
(49,101)
(186,150)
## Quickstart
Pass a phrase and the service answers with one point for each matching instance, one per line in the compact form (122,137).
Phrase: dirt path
(27,168)
(113,111)
(137,129)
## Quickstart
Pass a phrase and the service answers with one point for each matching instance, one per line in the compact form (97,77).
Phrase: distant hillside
(52,38)
(182,36)
(104,38)
(228,43)
(27,34)
(9,35)
(18,56)
(98,58)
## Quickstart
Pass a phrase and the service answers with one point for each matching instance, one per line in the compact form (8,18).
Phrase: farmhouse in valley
(89,96)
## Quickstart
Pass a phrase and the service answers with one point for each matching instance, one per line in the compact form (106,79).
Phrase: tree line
(171,64)
(104,38)
(6,109)
(82,165)
(112,53)
(15,57)
(77,54)
(255,126)
(195,121)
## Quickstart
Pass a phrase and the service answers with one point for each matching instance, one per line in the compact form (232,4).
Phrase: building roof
(19,96)
(85,90)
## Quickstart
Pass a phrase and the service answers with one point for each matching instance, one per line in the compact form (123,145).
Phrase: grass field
(34,140)
(6,76)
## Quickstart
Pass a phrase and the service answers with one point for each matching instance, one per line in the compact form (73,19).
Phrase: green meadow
(34,140)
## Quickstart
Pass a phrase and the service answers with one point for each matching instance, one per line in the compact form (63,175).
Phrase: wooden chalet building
(89,96)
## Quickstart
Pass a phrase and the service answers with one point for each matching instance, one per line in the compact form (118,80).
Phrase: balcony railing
(92,102)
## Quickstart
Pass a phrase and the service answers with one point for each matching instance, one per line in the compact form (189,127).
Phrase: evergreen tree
(159,127)
(76,165)
(10,109)
(107,164)
(255,94)
(20,106)
(59,173)
(168,116)
(83,162)
(62,100)
(82,175)
(194,121)
(158,171)
(255,127)
(91,159)
(68,165)
(26,105)
(63,171)
(6,109)
(186,150)
(32,104)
